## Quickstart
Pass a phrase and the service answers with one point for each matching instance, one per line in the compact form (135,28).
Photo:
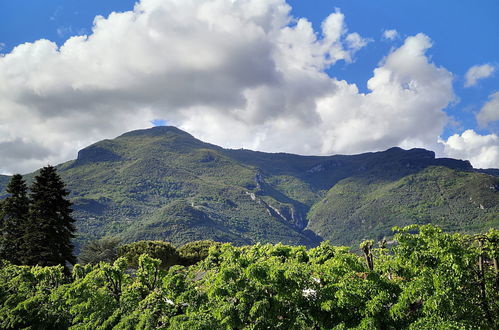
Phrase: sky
(314,77)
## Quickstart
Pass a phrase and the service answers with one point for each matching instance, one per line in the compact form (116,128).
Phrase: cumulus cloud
(481,150)
(232,72)
(478,72)
(390,34)
(407,93)
(313,114)
(490,111)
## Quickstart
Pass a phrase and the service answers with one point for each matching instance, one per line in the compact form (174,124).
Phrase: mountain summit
(162,183)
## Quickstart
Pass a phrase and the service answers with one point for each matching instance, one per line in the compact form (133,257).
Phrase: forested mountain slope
(366,207)
(162,183)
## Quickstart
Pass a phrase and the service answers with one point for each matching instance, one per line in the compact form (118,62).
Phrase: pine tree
(13,217)
(50,226)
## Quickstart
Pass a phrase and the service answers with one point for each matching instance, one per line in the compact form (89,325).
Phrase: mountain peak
(127,145)
(157,131)
(414,152)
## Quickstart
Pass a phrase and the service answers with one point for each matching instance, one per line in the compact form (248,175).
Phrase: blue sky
(463,34)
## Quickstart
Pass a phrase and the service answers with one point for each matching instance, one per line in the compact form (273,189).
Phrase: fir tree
(13,217)
(50,226)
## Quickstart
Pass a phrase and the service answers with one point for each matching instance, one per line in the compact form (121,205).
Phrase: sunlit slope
(162,183)
(366,207)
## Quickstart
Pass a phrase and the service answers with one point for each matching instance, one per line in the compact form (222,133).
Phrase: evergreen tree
(50,226)
(13,217)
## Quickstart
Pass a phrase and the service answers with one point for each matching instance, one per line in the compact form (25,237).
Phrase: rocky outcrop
(95,153)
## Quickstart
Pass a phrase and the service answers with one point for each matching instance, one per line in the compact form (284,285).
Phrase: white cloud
(356,42)
(56,13)
(241,60)
(323,115)
(2,46)
(407,93)
(481,150)
(478,72)
(64,31)
(239,73)
(313,114)
(390,34)
(490,111)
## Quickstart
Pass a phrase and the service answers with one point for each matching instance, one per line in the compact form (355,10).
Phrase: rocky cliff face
(95,154)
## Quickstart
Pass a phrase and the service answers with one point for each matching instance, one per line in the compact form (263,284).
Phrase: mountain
(364,206)
(4,180)
(162,183)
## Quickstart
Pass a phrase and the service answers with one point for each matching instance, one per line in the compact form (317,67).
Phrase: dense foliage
(163,251)
(365,206)
(104,249)
(427,279)
(193,252)
(37,229)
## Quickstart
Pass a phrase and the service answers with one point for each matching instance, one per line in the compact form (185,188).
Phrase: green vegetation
(163,251)
(4,180)
(428,279)
(149,187)
(37,230)
(14,214)
(193,252)
(163,184)
(364,206)
(104,249)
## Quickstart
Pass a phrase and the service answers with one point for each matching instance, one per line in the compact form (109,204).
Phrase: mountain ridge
(163,183)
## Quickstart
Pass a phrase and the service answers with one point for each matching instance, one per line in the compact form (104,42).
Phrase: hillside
(4,179)
(364,207)
(162,183)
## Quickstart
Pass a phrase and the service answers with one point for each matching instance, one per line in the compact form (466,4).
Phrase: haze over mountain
(162,183)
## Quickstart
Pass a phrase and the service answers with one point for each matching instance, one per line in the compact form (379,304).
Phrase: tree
(104,249)
(440,280)
(163,251)
(50,226)
(13,217)
(193,252)
(427,280)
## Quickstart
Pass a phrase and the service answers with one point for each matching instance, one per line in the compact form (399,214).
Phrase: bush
(428,280)
(104,249)
(193,252)
(163,251)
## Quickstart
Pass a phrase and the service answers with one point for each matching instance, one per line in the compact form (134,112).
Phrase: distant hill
(367,207)
(4,180)
(162,183)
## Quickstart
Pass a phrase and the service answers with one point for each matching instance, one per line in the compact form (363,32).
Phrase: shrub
(193,252)
(104,249)
(163,251)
